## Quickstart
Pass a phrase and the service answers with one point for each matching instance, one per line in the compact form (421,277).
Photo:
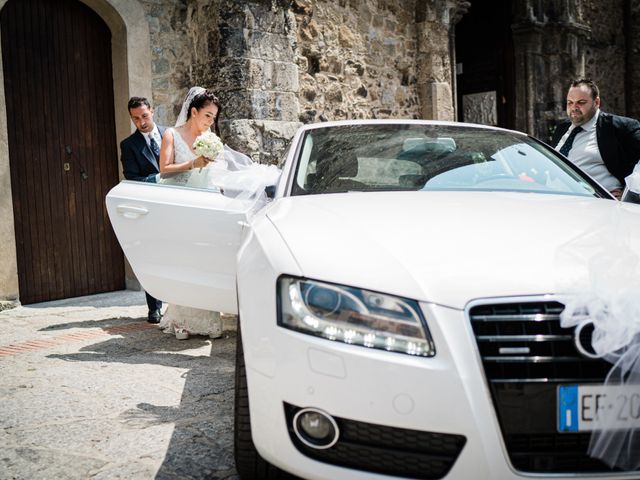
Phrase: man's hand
(616,193)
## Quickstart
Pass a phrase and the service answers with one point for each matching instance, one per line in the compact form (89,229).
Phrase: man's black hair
(135,102)
(595,92)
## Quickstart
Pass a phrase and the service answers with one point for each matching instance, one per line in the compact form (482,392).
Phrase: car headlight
(354,316)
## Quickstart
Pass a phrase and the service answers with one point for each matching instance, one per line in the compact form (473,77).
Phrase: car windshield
(391,157)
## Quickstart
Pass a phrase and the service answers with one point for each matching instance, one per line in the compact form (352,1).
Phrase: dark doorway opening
(485,82)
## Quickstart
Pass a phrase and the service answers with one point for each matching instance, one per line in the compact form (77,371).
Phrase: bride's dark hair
(202,100)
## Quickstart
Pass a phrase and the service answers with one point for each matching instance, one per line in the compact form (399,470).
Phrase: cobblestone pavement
(89,389)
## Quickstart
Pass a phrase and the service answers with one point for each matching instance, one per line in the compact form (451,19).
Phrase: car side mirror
(270,191)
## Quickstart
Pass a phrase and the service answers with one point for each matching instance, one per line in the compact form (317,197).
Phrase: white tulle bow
(601,275)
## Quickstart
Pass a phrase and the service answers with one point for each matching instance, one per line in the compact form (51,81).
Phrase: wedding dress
(194,178)
(179,319)
(233,174)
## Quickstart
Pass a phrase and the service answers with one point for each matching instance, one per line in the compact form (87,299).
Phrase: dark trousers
(153,303)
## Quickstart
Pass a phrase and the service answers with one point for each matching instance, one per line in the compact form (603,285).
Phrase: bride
(177,159)
(177,163)
(232,174)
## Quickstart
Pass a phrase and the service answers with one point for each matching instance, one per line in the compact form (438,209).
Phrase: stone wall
(549,49)
(276,63)
(557,42)
(605,51)
(256,76)
(356,59)
(183,38)
(633,59)
(244,51)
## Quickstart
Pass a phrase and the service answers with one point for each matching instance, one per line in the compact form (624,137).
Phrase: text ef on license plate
(582,408)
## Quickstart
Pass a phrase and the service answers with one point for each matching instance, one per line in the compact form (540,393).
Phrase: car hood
(448,247)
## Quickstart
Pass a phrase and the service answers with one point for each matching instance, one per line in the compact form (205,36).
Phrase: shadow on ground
(201,445)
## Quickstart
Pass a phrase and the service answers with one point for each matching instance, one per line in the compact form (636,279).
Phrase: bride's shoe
(181,334)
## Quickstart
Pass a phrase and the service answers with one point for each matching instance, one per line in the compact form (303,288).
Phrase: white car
(397,302)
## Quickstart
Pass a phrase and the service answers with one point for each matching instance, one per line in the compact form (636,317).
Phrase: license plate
(583,408)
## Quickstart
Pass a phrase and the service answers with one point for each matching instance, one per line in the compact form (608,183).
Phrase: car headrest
(412,180)
(415,148)
(337,167)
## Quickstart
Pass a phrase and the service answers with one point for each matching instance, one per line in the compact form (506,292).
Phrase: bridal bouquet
(208,145)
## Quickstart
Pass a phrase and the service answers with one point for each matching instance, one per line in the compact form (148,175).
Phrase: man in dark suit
(606,146)
(140,154)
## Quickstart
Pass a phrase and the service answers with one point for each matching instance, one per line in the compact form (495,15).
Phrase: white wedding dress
(232,173)
(177,318)
(195,178)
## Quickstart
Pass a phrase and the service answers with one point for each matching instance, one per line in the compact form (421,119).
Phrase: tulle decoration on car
(605,292)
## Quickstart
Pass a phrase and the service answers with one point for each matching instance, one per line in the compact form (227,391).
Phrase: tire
(249,464)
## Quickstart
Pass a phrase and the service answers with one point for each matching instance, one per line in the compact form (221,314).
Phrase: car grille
(385,450)
(526,354)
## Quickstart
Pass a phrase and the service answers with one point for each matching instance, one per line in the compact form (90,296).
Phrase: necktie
(564,150)
(155,148)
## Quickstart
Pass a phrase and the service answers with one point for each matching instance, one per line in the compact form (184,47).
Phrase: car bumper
(446,394)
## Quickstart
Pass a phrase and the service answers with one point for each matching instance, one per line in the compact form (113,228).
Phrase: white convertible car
(398,303)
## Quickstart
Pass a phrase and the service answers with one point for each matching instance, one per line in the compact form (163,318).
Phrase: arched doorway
(62,147)
(485,80)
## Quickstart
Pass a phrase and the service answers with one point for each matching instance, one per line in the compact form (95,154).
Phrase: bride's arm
(167,154)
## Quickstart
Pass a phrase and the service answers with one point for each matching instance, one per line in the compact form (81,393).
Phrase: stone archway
(131,59)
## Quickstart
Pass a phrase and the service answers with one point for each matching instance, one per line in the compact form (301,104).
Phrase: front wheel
(249,464)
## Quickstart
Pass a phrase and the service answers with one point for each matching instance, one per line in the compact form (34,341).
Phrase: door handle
(131,211)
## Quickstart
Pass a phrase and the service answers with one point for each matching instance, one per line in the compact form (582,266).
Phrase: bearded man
(605,146)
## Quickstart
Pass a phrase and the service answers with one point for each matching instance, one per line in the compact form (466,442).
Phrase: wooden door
(56,58)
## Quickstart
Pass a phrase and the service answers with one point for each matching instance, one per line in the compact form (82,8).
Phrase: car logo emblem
(583,342)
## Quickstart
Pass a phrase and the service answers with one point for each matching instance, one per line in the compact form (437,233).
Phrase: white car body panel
(444,249)
(335,374)
(424,248)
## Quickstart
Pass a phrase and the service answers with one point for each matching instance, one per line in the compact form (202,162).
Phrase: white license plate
(582,408)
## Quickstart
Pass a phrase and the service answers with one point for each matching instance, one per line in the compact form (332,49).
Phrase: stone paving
(89,389)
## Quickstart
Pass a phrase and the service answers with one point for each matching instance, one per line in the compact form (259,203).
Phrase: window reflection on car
(363,158)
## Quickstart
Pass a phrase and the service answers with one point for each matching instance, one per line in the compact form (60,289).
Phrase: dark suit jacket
(138,161)
(618,142)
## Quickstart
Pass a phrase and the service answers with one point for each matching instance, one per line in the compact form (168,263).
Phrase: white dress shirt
(156,136)
(586,154)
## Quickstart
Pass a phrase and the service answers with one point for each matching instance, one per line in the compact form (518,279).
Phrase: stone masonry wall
(243,50)
(605,51)
(557,42)
(633,60)
(275,63)
(180,50)
(356,59)
(256,76)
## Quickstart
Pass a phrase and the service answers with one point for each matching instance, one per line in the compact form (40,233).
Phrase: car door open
(181,242)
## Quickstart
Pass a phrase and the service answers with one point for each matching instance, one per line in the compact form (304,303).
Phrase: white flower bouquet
(208,145)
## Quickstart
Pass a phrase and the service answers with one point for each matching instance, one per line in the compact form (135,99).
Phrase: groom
(140,154)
